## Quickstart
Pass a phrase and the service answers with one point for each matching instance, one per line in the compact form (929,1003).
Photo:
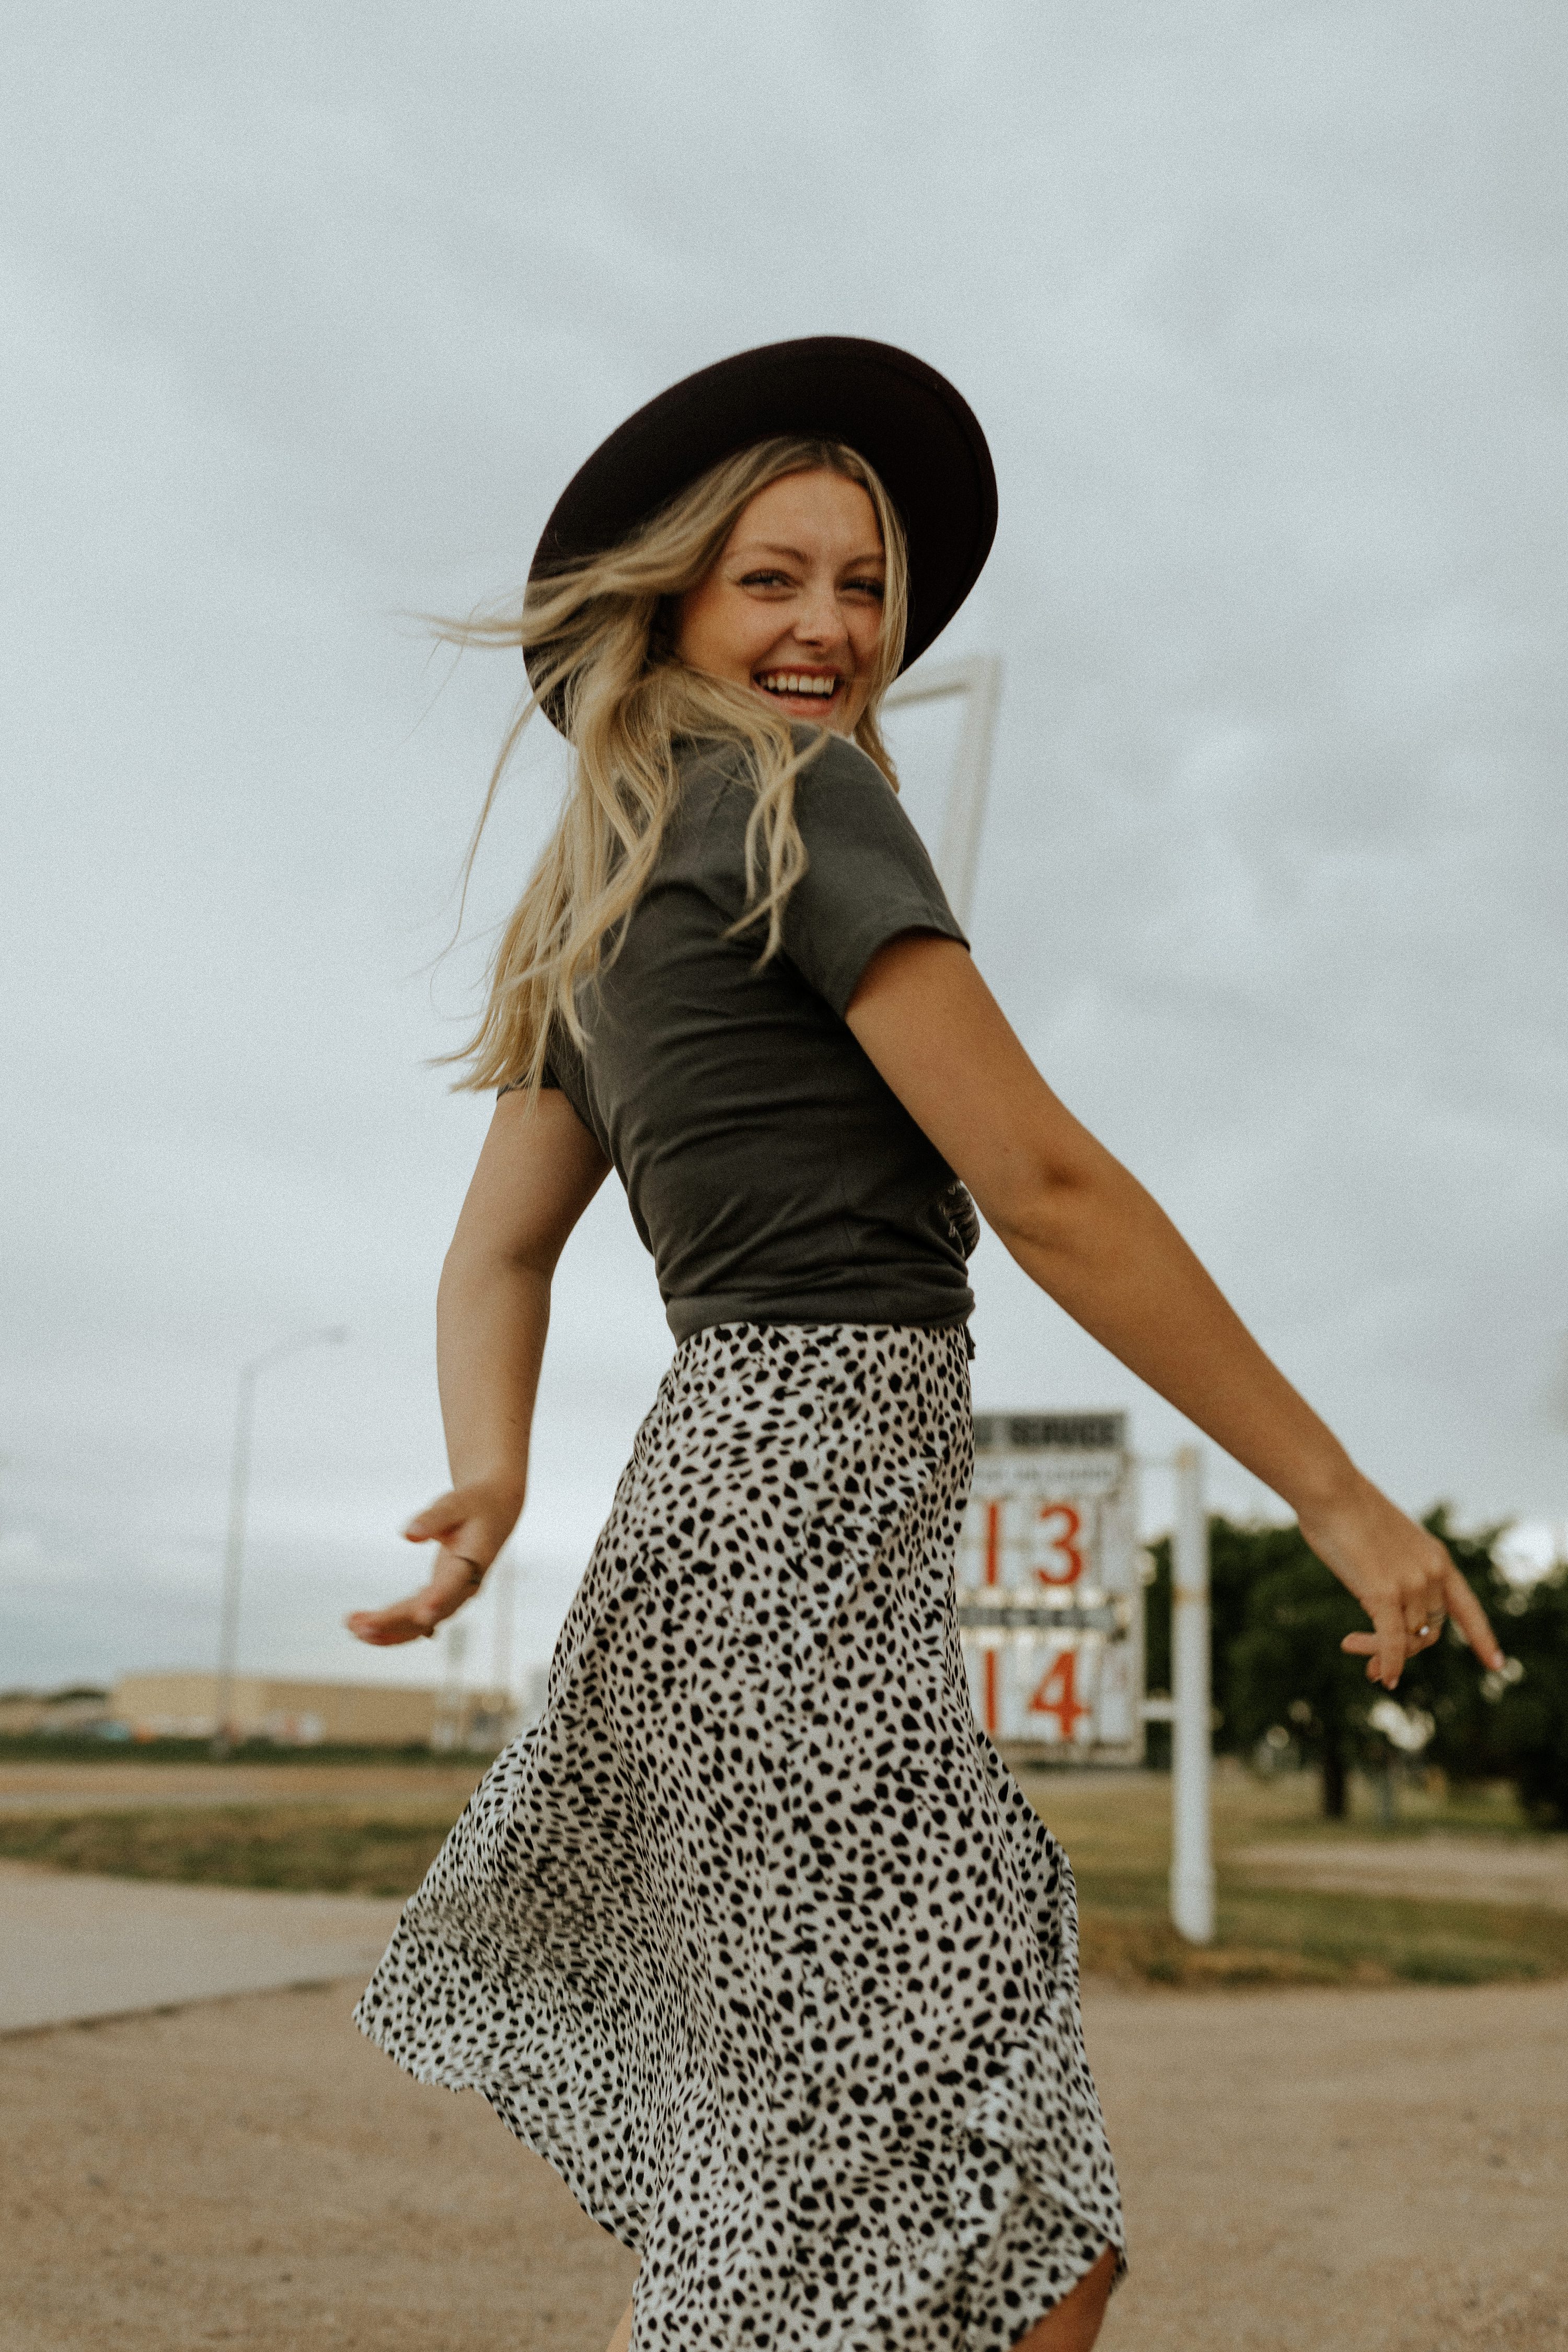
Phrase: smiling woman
(752,1934)
(794,605)
(773,589)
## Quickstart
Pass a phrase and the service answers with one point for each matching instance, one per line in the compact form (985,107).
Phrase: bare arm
(537,1171)
(1088,1233)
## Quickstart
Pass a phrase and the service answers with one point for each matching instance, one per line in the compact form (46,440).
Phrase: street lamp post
(238,1494)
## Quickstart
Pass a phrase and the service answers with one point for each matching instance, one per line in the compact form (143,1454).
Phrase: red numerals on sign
(992,1712)
(1067,1564)
(1058,1694)
(992,1543)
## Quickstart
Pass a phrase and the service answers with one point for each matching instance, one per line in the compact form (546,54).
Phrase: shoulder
(867,877)
(711,772)
(843,796)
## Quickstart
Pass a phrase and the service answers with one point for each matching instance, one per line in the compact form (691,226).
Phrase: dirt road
(1373,2172)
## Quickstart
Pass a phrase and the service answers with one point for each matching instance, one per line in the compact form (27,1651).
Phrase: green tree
(1509,1726)
(1532,1711)
(1276,1618)
(1286,1666)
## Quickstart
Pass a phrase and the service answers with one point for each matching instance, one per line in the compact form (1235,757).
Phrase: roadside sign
(1050,1600)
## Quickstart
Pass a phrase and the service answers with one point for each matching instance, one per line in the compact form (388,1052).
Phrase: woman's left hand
(470,1523)
(1403,1578)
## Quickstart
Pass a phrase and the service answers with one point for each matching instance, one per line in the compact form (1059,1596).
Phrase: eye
(867,588)
(764,580)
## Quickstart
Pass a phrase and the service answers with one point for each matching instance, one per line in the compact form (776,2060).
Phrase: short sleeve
(869,880)
(547,1078)
(550,1076)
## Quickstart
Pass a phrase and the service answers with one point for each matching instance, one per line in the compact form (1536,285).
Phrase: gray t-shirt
(771,1172)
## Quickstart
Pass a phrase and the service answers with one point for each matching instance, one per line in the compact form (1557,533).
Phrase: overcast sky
(307,312)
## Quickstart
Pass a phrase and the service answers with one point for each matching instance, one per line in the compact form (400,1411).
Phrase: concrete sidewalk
(74,1947)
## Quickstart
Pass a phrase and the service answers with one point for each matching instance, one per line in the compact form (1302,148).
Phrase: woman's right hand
(1403,1578)
(470,1524)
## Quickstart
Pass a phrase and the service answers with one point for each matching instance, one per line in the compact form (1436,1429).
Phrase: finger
(1388,1624)
(1425,1609)
(407,1620)
(1369,1646)
(383,1629)
(437,1518)
(1471,1619)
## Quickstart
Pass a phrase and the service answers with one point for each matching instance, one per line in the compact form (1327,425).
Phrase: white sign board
(1050,1587)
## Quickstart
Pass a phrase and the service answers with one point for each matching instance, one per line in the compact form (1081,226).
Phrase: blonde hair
(601,658)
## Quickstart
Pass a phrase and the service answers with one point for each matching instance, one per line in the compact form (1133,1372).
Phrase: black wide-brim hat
(917,434)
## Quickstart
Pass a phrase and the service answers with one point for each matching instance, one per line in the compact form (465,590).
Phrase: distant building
(184,1706)
(81,1707)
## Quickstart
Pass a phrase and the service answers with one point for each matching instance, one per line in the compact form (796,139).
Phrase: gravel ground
(1303,2169)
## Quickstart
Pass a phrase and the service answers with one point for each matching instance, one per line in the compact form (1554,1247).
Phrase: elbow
(1037,1206)
(472,1265)
(1054,1196)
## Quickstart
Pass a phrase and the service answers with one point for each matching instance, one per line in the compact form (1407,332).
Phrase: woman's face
(793,608)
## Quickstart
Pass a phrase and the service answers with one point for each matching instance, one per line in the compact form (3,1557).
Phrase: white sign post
(1192,1850)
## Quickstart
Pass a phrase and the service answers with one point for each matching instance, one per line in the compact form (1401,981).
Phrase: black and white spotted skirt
(752,1937)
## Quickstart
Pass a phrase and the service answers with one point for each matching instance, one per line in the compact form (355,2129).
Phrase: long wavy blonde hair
(600,634)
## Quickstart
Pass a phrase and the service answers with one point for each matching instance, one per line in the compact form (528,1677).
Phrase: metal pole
(1192,1851)
(448,1728)
(234,1559)
(979,680)
(503,1575)
(234,1548)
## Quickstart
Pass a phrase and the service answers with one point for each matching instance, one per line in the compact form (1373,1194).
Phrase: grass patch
(61,1747)
(1118,1836)
(1116,1831)
(1268,1935)
(351,1850)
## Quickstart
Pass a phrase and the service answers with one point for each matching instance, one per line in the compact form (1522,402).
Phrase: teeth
(792,682)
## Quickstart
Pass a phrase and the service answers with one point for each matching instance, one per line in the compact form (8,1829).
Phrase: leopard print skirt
(753,1936)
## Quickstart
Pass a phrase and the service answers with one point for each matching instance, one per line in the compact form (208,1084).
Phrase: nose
(818,619)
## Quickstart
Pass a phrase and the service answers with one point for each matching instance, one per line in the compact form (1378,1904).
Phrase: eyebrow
(773,546)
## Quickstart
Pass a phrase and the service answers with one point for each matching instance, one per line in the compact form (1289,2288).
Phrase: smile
(818,686)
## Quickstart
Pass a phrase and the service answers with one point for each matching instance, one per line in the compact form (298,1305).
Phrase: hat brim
(908,423)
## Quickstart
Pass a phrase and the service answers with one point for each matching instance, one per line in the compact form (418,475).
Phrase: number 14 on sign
(1054,1695)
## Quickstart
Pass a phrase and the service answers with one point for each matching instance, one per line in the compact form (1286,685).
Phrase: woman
(753,1936)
